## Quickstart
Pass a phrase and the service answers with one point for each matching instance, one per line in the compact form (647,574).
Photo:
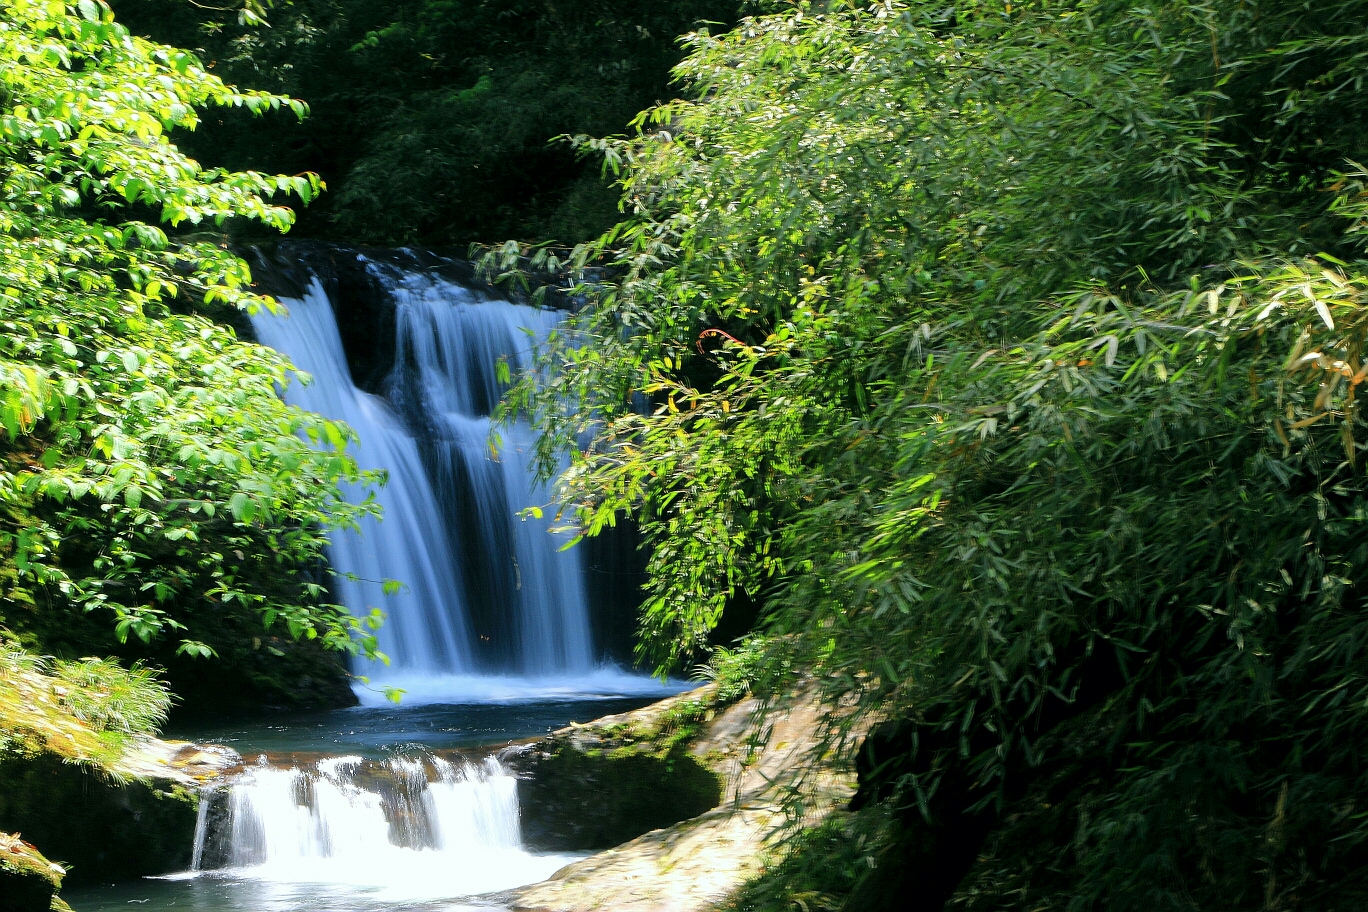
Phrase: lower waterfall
(398,829)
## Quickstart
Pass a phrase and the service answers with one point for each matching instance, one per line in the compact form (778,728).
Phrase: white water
(449,345)
(426,630)
(492,610)
(519,629)
(423,829)
(606,682)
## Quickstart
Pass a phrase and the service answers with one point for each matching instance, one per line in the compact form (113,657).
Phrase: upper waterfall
(449,343)
(421,633)
(487,589)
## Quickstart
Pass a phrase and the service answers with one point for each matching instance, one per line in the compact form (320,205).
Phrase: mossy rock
(28,881)
(103,830)
(585,801)
(594,786)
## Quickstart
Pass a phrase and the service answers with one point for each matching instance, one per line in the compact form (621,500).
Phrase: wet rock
(587,800)
(105,828)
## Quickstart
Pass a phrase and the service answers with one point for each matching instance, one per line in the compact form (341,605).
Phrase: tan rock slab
(696,864)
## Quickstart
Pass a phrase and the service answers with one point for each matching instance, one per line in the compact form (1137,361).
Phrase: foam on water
(606,683)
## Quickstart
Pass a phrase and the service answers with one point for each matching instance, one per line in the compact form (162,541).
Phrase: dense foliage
(431,119)
(1009,352)
(150,474)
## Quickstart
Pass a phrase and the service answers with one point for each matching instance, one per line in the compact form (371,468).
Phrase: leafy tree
(149,471)
(1010,353)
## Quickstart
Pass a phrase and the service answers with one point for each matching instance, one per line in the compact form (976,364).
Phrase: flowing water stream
(375,808)
(385,807)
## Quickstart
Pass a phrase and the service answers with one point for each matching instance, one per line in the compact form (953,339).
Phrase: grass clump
(87,711)
(737,671)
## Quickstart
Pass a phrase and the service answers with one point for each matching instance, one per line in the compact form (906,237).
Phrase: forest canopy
(433,121)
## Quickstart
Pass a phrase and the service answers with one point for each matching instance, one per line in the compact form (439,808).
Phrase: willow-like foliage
(1010,353)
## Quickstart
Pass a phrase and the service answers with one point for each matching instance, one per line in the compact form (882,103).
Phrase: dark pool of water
(380,731)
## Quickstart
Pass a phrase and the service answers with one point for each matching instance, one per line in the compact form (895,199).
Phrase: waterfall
(410,827)
(449,345)
(418,635)
(488,595)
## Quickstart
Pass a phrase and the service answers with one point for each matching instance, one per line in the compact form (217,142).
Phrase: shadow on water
(380,731)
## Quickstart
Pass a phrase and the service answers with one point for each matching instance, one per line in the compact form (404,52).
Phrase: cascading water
(413,546)
(491,611)
(449,346)
(399,829)
(491,606)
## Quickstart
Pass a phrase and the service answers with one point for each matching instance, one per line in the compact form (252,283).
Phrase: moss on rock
(766,762)
(591,787)
(588,800)
(105,830)
(28,881)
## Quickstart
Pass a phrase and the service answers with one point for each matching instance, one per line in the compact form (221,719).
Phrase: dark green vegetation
(431,119)
(1008,354)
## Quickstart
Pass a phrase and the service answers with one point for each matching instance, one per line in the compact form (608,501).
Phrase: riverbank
(764,768)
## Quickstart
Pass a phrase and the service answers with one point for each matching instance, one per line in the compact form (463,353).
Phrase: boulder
(765,763)
(139,821)
(594,786)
